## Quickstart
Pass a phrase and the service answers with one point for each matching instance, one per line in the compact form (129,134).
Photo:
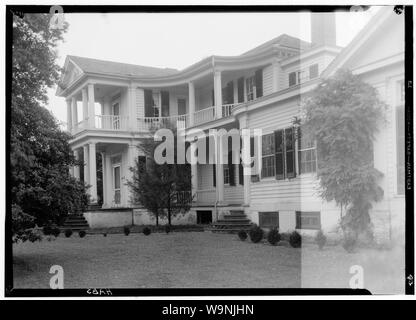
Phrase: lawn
(200,260)
(179,259)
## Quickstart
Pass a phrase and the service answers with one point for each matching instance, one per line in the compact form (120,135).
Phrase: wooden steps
(75,222)
(233,222)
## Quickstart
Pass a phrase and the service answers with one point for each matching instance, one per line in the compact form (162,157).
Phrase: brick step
(236,212)
(235,221)
(232,218)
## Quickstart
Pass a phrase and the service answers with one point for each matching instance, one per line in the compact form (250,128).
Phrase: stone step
(234,221)
(229,230)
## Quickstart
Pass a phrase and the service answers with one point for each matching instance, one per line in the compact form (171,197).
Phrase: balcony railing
(227,108)
(152,123)
(111,122)
(204,115)
(80,126)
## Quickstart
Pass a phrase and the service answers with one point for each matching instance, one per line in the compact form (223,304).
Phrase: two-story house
(111,107)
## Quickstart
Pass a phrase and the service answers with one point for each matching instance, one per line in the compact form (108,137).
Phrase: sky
(177,40)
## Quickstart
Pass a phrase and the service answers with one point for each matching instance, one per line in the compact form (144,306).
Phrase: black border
(19,9)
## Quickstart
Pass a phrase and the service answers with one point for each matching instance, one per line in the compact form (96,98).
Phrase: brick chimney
(323,30)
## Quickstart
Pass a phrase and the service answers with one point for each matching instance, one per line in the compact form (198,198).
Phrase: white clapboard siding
(205,178)
(267,80)
(234,194)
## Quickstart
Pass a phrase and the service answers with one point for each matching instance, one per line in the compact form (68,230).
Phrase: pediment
(70,74)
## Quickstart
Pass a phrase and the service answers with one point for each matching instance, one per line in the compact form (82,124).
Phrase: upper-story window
(300,76)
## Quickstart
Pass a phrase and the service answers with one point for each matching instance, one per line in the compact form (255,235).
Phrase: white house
(112,105)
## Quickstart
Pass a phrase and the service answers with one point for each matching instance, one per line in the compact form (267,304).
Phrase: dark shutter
(231,168)
(230,92)
(240,174)
(290,152)
(181,106)
(254,177)
(213,97)
(240,89)
(214,174)
(279,155)
(165,103)
(313,71)
(259,83)
(148,103)
(299,136)
(142,163)
(292,79)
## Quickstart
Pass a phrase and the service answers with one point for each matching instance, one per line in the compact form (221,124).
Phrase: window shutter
(259,83)
(165,103)
(213,97)
(313,71)
(214,176)
(148,103)
(279,154)
(231,168)
(292,79)
(290,153)
(299,148)
(241,174)
(240,89)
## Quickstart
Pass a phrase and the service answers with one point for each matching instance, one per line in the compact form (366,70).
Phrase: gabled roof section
(284,40)
(359,40)
(88,65)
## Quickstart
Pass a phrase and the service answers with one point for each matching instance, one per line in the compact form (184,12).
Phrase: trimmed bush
(295,239)
(56,231)
(82,233)
(320,239)
(167,229)
(68,233)
(126,230)
(146,231)
(256,234)
(273,237)
(105,234)
(47,230)
(349,243)
(242,235)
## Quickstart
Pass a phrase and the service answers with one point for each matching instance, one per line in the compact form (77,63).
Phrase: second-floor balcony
(143,124)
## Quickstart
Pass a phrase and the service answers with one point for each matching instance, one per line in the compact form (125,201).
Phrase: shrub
(126,230)
(273,236)
(242,235)
(146,231)
(256,234)
(320,239)
(295,239)
(56,231)
(105,234)
(68,233)
(47,230)
(82,233)
(349,243)
(167,229)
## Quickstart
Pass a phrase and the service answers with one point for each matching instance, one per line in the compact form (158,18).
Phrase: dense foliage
(42,190)
(295,239)
(273,237)
(256,234)
(343,115)
(242,235)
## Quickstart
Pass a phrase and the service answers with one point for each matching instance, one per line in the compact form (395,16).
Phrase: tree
(343,115)
(163,189)
(42,190)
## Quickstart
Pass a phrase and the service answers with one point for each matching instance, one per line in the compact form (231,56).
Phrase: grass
(200,260)
(178,259)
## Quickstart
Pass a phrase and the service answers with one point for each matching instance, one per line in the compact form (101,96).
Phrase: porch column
(84,104)
(69,115)
(191,89)
(93,172)
(131,94)
(218,93)
(86,164)
(194,179)
(108,186)
(104,180)
(76,167)
(220,170)
(74,113)
(245,153)
(91,106)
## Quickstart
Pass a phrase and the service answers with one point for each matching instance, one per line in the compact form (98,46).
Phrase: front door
(116,184)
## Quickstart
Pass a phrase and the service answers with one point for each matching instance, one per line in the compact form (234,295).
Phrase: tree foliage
(42,189)
(343,115)
(163,189)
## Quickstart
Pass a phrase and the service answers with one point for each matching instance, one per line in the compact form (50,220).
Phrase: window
(308,220)
(250,86)
(268,152)
(400,141)
(259,83)
(240,89)
(306,154)
(226,174)
(148,103)
(313,71)
(181,106)
(292,79)
(269,219)
(165,103)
